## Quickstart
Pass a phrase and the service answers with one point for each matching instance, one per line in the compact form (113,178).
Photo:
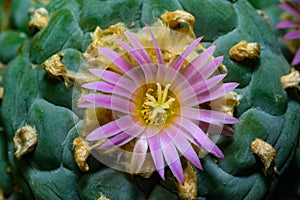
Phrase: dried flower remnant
(2,197)
(291,80)
(56,69)
(81,153)
(1,92)
(156,104)
(244,50)
(188,190)
(39,19)
(181,21)
(103,198)
(25,140)
(266,153)
(291,23)
(231,101)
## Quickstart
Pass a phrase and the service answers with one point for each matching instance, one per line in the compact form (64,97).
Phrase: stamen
(165,93)
(156,107)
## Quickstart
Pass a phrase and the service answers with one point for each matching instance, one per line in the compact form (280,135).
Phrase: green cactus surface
(32,97)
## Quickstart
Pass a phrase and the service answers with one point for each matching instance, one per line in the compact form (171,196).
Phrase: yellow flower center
(157,107)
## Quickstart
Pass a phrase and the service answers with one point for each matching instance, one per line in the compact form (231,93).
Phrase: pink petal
(106,74)
(85,104)
(110,129)
(289,9)
(296,59)
(198,62)
(216,128)
(292,35)
(118,140)
(139,154)
(157,155)
(208,84)
(126,136)
(114,78)
(207,70)
(157,49)
(191,129)
(135,53)
(286,24)
(180,60)
(213,93)
(165,74)
(209,116)
(107,88)
(149,73)
(171,156)
(116,59)
(184,147)
(110,102)
(99,86)
(138,47)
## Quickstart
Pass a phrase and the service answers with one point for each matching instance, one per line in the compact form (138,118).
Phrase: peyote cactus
(37,105)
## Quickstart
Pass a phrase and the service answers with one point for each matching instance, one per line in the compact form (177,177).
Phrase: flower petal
(292,35)
(157,155)
(135,53)
(107,88)
(157,49)
(183,146)
(216,92)
(196,65)
(110,129)
(180,60)
(118,140)
(191,129)
(204,85)
(296,59)
(116,59)
(206,71)
(209,116)
(126,136)
(111,102)
(216,128)
(99,86)
(289,9)
(114,78)
(171,156)
(139,154)
(138,47)
(286,24)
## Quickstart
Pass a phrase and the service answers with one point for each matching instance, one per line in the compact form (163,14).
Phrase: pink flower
(158,105)
(294,9)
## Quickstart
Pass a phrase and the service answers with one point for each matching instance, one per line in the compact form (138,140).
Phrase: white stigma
(161,104)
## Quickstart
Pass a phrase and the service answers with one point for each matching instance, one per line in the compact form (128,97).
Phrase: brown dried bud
(189,188)
(244,50)
(25,140)
(291,80)
(174,19)
(227,103)
(265,151)
(39,19)
(1,92)
(99,39)
(103,198)
(2,197)
(81,153)
(56,69)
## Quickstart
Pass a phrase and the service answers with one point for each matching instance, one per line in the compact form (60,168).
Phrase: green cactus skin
(32,97)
